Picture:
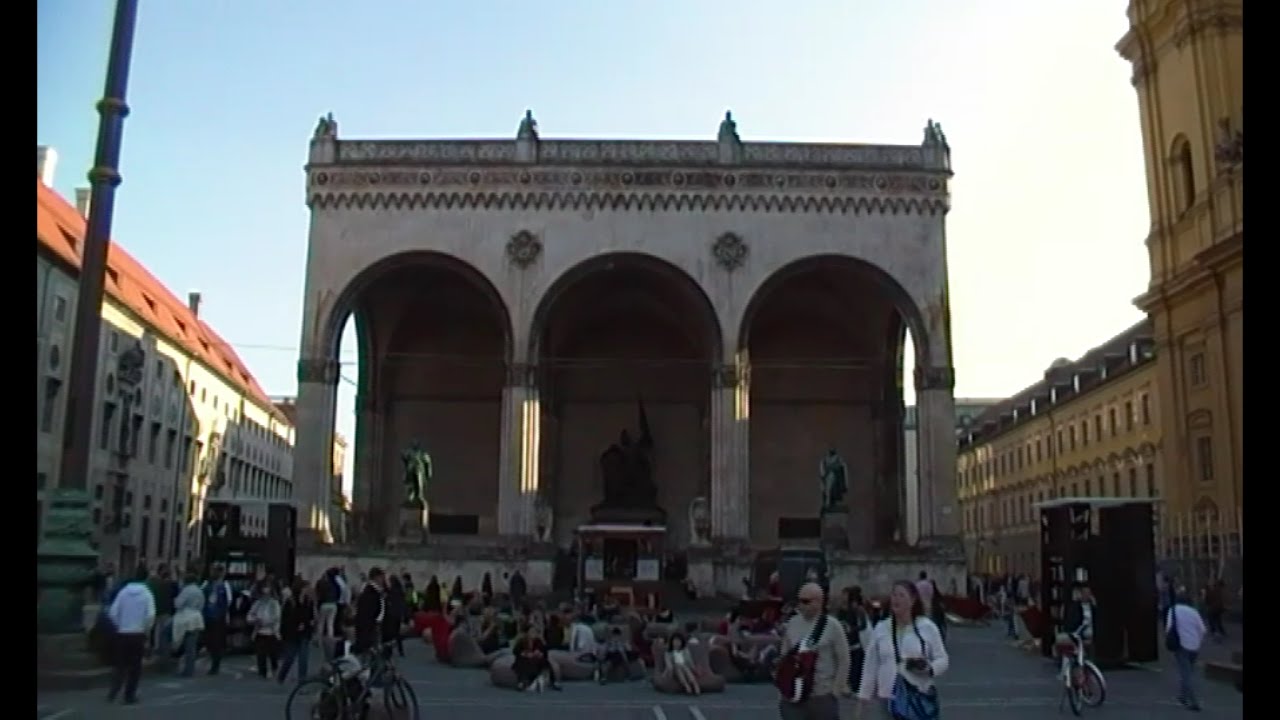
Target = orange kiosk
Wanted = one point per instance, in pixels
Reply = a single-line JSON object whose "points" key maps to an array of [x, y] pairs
{"points": [[624, 562]]}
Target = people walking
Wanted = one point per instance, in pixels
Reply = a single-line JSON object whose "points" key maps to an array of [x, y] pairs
{"points": [[904, 657], [812, 630], [264, 618], [1184, 633], [217, 612], [132, 614], [297, 630], [188, 622]]}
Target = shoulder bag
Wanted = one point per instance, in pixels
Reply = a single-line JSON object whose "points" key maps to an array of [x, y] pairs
{"points": [[910, 702], [794, 676]]}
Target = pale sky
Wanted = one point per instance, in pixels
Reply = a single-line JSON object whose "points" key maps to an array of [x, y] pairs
{"points": [[1049, 208]]}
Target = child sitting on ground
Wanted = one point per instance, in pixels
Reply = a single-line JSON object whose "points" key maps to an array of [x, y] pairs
{"points": [[681, 663]]}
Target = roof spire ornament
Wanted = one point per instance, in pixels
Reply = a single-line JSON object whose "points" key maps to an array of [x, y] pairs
{"points": [[528, 127], [326, 128], [728, 129]]}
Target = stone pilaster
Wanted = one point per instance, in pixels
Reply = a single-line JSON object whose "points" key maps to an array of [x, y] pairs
{"points": [[367, 479], [313, 444], [730, 511], [518, 474], [935, 418]]}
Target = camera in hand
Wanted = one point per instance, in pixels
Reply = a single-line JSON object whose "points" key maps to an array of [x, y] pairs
{"points": [[917, 664]]}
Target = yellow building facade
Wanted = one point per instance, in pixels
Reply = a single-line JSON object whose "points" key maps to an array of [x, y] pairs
{"points": [[1089, 428], [178, 418], [1188, 71]]}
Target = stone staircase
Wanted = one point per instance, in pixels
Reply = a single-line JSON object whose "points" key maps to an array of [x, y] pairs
{"points": [[1231, 672]]}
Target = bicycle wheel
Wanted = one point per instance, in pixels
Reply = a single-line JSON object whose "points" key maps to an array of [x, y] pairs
{"points": [[400, 701], [1073, 699], [314, 699], [1093, 689]]}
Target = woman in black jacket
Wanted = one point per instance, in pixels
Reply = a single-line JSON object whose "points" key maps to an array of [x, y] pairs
{"points": [[397, 613], [297, 628]]}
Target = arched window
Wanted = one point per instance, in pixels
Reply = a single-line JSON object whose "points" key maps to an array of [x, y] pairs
{"points": [[1184, 174]]}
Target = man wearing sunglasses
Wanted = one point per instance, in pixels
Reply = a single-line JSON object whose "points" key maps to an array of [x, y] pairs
{"points": [[831, 671]]}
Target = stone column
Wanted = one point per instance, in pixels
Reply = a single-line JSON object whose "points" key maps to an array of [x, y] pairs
{"points": [[366, 466], [518, 474], [935, 420], [730, 511], [313, 444]]}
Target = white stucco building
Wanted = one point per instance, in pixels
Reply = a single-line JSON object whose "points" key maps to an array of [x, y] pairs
{"points": [[178, 418]]}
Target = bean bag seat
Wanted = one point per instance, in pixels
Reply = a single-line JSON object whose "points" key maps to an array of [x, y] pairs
{"points": [[568, 667], [665, 682], [502, 670], [464, 651], [721, 663]]}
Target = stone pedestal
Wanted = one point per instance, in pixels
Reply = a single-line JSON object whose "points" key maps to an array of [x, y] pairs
{"points": [[835, 529], [412, 526], [65, 561], [628, 516]]}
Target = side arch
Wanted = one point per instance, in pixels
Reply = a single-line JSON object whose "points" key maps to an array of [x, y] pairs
{"points": [[899, 298], [674, 277], [333, 318]]}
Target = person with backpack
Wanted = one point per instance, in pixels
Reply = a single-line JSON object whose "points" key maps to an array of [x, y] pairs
{"points": [[217, 612], [853, 616]]}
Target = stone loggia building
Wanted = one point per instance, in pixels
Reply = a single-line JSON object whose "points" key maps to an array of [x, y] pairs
{"points": [[515, 300]]}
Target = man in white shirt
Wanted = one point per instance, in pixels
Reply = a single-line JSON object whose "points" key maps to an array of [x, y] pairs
{"points": [[132, 614], [1185, 622]]}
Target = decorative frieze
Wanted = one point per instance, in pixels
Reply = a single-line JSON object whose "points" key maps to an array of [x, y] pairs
{"points": [[632, 152], [730, 251], [318, 370], [646, 202], [935, 378]]}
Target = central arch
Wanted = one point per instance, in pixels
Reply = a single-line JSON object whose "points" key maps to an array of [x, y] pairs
{"points": [[614, 332], [433, 341], [824, 338]]}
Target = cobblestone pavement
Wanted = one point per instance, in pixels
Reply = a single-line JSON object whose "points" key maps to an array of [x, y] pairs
{"points": [[988, 680]]}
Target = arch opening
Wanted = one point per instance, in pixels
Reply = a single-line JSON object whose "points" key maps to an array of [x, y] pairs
{"points": [[830, 342], [432, 339], [617, 335]]}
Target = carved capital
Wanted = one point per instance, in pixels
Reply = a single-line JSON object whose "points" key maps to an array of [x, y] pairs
{"points": [[522, 375], [318, 370], [727, 376], [935, 378]]}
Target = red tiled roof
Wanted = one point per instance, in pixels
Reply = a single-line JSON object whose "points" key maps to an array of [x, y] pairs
{"points": [[60, 229]]}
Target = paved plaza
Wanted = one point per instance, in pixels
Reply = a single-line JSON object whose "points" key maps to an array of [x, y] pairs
{"points": [[988, 679]]}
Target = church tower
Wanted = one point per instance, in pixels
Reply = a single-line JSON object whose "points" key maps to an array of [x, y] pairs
{"points": [[1187, 58]]}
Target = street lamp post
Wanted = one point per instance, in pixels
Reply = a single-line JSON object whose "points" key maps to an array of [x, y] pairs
{"points": [[65, 558]]}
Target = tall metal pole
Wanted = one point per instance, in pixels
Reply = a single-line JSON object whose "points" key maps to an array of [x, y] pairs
{"points": [[65, 558]]}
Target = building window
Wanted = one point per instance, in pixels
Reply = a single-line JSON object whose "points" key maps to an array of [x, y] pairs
{"points": [[170, 447], [1075, 490], [1097, 426], [1115, 482], [1039, 454], [108, 423], [1204, 458], [177, 537], [1084, 433], [1071, 437], [1128, 416], [1185, 175], [1060, 445], [50, 410], [1133, 482], [1146, 409], [153, 444], [1088, 487], [1111, 420], [1196, 374], [1151, 480], [160, 538], [144, 536]]}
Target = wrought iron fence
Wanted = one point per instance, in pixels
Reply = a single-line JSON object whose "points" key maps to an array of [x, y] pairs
{"points": [[1201, 546]]}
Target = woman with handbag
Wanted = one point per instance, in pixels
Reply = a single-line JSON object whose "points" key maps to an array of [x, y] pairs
{"points": [[903, 657]]}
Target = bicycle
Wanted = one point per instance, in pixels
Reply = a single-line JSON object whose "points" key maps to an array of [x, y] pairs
{"points": [[341, 698], [1082, 681]]}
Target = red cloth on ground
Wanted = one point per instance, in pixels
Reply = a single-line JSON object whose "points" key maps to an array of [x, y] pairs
{"points": [[439, 627]]}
